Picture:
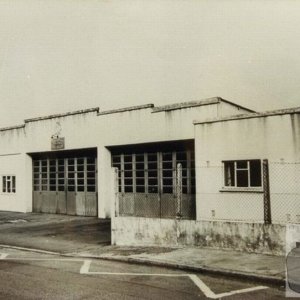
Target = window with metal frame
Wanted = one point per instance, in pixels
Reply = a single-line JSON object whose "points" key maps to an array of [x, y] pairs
{"points": [[91, 173], [154, 172], [73, 174], [242, 173], [9, 184]]}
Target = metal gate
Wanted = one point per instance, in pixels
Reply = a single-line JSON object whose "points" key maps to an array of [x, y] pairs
{"points": [[65, 186], [148, 184]]}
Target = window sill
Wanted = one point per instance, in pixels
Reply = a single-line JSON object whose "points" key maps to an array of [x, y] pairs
{"points": [[8, 194], [241, 190]]}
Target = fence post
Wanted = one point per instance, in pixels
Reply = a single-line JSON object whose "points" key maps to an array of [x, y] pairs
{"points": [[179, 191], [116, 189], [267, 201]]}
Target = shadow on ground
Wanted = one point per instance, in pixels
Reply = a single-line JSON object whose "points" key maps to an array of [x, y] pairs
{"points": [[59, 233]]}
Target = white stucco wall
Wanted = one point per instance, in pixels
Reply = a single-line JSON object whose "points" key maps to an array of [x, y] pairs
{"points": [[90, 130], [276, 138], [143, 126], [12, 162], [12, 141], [13, 165]]}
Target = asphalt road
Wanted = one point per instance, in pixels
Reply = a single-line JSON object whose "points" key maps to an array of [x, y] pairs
{"points": [[28, 275]]}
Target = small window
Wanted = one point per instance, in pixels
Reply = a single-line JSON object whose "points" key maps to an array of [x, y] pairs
{"points": [[8, 184], [242, 173]]}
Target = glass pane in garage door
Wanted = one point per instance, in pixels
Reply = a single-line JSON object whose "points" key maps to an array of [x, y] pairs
{"points": [[52, 174], [60, 175], [80, 171], [36, 175], [71, 174], [91, 174], [44, 175]]}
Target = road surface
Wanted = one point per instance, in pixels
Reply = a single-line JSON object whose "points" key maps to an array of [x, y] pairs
{"points": [[30, 275]]}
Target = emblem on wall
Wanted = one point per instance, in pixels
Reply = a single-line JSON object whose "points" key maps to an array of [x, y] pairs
{"points": [[57, 142]]}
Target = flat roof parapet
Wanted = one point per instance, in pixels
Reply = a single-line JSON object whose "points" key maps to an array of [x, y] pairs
{"points": [[182, 105], [277, 112], [12, 127], [120, 110], [208, 101], [77, 112]]}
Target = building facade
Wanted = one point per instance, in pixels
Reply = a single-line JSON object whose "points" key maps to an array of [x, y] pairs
{"points": [[206, 173], [230, 155], [247, 179], [60, 163]]}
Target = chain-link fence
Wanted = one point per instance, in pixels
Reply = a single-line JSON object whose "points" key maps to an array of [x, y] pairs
{"points": [[285, 192], [227, 195], [242, 191], [249, 191]]}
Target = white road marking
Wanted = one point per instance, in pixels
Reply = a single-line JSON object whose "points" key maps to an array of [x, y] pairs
{"points": [[44, 259], [196, 280], [29, 249], [85, 267], [210, 294], [242, 291], [202, 286], [87, 263], [137, 274], [3, 255]]}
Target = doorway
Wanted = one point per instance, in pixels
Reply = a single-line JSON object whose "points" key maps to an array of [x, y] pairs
{"points": [[65, 183]]}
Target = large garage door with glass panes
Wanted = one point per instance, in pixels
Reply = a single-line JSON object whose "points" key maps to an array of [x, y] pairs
{"points": [[147, 180], [65, 185]]}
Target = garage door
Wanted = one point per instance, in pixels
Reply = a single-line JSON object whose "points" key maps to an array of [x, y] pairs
{"points": [[65, 185], [147, 179]]}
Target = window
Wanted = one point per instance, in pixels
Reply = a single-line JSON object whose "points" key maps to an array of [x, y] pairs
{"points": [[154, 172], [65, 174], [8, 184], [242, 173]]}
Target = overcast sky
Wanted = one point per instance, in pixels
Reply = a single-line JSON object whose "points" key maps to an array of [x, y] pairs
{"points": [[57, 56]]}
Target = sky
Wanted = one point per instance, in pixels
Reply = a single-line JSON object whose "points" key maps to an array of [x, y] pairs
{"points": [[59, 56]]}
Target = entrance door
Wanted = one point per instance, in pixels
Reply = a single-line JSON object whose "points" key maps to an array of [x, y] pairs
{"points": [[147, 182], [65, 186]]}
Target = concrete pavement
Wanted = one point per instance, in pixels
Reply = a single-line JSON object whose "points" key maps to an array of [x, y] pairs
{"points": [[90, 237]]}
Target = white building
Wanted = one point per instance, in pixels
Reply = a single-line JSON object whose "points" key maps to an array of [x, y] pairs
{"points": [[72, 176], [64, 164], [230, 152]]}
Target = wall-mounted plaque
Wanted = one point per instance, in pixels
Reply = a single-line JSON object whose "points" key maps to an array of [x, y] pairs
{"points": [[58, 143]]}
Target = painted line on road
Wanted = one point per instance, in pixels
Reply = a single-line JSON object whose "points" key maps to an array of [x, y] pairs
{"points": [[3, 255], [242, 291], [42, 259], [202, 286], [29, 249], [210, 294], [136, 274], [85, 267], [85, 270]]}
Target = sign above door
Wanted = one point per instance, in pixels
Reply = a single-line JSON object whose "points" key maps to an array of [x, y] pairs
{"points": [[57, 143]]}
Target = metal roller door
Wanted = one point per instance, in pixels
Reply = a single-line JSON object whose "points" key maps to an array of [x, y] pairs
{"points": [[65, 185]]}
